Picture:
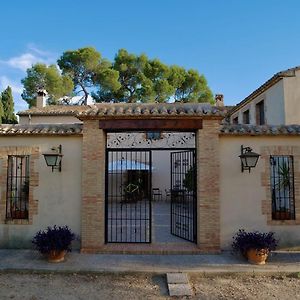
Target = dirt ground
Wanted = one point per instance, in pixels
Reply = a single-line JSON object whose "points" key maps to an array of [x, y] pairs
{"points": [[142, 286]]}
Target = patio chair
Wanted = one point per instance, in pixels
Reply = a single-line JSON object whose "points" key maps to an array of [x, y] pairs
{"points": [[156, 194]]}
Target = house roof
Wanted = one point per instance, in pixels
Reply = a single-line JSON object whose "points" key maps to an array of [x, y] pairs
{"points": [[102, 110], [76, 129], [41, 129], [152, 110], [239, 129], [276, 77], [53, 110]]}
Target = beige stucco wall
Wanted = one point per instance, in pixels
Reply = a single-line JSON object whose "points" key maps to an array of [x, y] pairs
{"points": [[292, 99], [274, 106], [58, 193], [23, 120], [161, 178], [241, 194]]}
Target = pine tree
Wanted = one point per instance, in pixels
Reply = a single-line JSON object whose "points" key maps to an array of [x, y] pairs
{"points": [[8, 107], [1, 110]]}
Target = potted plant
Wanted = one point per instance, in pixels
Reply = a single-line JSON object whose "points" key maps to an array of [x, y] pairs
{"points": [[189, 180], [255, 245], [54, 242]]}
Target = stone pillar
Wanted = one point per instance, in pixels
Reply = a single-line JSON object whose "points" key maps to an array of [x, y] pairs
{"points": [[93, 187], [208, 186]]}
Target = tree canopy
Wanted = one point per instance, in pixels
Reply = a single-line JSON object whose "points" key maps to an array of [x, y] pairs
{"points": [[1, 110], [128, 78], [40, 76], [86, 68], [7, 100]]}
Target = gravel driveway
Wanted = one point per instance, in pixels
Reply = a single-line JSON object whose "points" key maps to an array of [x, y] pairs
{"points": [[142, 286]]}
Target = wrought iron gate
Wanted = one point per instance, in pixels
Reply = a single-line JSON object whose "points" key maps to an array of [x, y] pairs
{"points": [[183, 195], [128, 196]]}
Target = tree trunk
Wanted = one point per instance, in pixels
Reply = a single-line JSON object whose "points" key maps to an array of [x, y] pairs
{"points": [[86, 94]]}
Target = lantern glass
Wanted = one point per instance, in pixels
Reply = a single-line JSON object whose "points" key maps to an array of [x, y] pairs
{"points": [[51, 159], [252, 160], [248, 158]]}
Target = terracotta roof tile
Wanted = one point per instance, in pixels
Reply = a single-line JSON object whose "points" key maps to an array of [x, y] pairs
{"points": [[151, 110], [230, 129], [50, 110], [128, 110], [41, 129]]}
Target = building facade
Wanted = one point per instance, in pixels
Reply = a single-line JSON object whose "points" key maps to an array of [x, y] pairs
{"points": [[276, 102], [111, 165]]}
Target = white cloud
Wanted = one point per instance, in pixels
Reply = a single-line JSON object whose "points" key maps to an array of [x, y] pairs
{"points": [[15, 67], [5, 82], [35, 49], [23, 62], [32, 56]]}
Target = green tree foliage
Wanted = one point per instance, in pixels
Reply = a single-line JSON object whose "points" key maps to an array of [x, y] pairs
{"points": [[8, 107], [40, 76], [1, 110], [193, 88], [144, 80], [160, 86], [86, 68], [129, 78]]}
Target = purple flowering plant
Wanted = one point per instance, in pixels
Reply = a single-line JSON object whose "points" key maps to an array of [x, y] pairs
{"points": [[243, 241], [57, 238]]}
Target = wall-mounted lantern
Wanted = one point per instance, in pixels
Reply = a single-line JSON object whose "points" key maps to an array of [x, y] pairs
{"points": [[53, 159], [248, 158]]}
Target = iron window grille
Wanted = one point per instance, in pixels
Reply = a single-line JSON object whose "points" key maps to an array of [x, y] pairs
{"points": [[17, 195], [282, 187]]}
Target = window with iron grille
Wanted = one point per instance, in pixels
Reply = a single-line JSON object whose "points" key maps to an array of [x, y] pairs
{"points": [[282, 187], [17, 194]]}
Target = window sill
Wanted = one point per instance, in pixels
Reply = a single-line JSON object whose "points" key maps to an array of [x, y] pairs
{"points": [[283, 222], [17, 221]]}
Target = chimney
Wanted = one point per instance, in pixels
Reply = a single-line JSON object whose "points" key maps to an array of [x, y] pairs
{"points": [[219, 98], [41, 98]]}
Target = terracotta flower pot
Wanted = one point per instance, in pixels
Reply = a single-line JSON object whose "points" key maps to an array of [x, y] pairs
{"points": [[257, 257], [55, 256]]}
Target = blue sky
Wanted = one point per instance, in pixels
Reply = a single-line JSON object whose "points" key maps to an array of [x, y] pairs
{"points": [[236, 44]]}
